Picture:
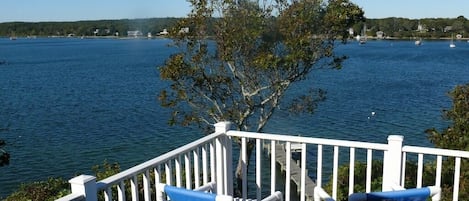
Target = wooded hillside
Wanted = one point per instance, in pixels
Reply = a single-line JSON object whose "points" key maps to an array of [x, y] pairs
{"points": [[391, 27], [86, 28]]}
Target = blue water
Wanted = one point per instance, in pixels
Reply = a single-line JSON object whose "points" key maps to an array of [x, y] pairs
{"points": [[69, 104]]}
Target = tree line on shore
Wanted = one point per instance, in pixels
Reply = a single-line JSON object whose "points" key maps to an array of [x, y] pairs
{"points": [[434, 28], [394, 27], [86, 28]]}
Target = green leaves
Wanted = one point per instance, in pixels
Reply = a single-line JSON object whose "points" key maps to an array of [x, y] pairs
{"points": [[49, 190], [342, 14], [455, 136], [241, 57]]}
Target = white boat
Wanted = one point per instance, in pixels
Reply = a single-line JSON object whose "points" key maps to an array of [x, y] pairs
{"points": [[418, 42], [362, 38], [452, 45]]}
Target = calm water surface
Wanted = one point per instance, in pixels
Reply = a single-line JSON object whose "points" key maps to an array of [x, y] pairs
{"points": [[69, 104]]}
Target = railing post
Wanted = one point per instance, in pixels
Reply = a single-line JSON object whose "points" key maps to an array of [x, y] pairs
{"points": [[84, 185], [222, 127], [392, 162], [222, 148]]}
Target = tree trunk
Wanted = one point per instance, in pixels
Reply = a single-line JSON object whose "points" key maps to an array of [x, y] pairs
{"points": [[239, 168]]}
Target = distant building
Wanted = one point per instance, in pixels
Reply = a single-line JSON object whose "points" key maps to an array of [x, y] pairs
{"points": [[380, 34], [164, 32], [134, 34], [351, 32], [448, 28], [421, 28]]}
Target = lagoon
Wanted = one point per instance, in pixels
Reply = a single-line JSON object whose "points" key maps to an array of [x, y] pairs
{"points": [[69, 104]]}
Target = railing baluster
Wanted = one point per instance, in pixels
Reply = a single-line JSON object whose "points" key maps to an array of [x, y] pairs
{"points": [[204, 165], [121, 191], [273, 165], [244, 167], [220, 166], [258, 169], [168, 171], [319, 167], [351, 177], [288, 171], [303, 172], [108, 194], [134, 188], [369, 164], [157, 172], [457, 171], [187, 165], [335, 173], [146, 186], [229, 166], [439, 161], [419, 171], [178, 170], [224, 143], [212, 162], [404, 158], [196, 168]]}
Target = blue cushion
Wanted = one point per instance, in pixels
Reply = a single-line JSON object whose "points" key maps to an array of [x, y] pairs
{"points": [[182, 194], [416, 194]]}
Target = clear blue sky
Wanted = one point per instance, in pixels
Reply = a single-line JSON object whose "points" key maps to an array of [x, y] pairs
{"points": [[73, 10], [414, 9]]}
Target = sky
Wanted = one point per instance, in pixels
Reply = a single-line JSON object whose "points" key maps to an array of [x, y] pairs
{"points": [[75, 10]]}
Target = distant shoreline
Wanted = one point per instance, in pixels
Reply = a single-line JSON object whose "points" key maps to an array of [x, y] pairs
{"points": [[395, 27], [85, 37], [163, 37]]}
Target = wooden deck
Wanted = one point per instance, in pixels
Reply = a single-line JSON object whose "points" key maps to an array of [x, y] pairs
{"points": [[295, 170]]}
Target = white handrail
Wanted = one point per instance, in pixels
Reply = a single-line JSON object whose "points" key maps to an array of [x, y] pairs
{"points": [[126, 174], [309, 140], [436, 151]]}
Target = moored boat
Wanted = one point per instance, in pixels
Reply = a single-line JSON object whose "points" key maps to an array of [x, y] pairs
{"points": [[452, 45]]}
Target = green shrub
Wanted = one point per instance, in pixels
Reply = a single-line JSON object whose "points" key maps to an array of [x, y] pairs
{"points": [[54, 188], [48, 190]]}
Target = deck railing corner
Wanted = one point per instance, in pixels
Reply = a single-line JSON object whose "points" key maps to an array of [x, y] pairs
{"points": [[392, 162], [83, 189]]}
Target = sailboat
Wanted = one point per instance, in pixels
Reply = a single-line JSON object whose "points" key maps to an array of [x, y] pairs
{"points": [[452, 45], [419, 30], [362, 38], [13, 36]]}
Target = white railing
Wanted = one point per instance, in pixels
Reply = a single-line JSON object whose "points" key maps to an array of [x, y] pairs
{"points": [[210, 159], [439, 154]]}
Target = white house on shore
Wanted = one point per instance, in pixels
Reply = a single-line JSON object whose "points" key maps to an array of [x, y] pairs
{"points": [[164, 32], [134, 34]]}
